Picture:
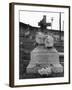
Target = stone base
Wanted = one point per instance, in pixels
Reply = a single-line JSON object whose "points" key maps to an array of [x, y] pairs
{"points": [[42, 57]]}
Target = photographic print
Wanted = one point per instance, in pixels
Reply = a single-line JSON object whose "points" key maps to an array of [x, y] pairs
{"points": [[39, 44]]}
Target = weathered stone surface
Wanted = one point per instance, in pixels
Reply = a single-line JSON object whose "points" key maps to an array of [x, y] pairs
{"points": [[42, 57], [57, 68]]}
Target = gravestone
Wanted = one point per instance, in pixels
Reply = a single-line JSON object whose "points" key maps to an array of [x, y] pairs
{"points": [[42, 57], [44, 54]]}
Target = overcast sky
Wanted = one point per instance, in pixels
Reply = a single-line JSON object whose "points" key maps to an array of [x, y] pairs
{"points": [[33, 18]]}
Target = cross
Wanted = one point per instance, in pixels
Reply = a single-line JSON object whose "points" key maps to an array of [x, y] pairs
{"points": [[43, 25]]}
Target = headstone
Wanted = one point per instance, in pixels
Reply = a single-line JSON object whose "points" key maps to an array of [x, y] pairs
{"points": [[44, 55]]}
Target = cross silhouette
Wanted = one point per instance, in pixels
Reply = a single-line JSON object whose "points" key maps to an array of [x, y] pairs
{"points": [[43, 24]]}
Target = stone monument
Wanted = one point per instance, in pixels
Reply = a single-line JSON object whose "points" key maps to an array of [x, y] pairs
{"points": [[44, 55]]}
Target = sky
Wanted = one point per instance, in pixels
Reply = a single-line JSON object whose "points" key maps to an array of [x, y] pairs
{"points": [[32, 18]]}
